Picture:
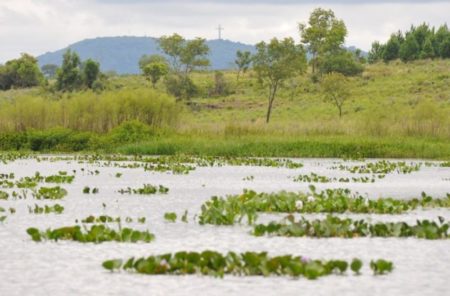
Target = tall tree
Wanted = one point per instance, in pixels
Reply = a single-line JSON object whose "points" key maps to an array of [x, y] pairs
{"points": [[410, 49], [69, 76], [91, 72], [323, 34], [392, 48], [276, 61], [242, 61], [336, 90], [185, 55]]}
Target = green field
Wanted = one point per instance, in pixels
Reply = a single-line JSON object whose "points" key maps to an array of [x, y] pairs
{"points": [[394, 110]]}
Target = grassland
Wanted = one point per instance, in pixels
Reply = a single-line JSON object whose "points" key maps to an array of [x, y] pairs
{"points": [[395, 110]]}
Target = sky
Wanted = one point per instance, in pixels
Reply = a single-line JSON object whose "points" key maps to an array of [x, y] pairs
{"points": [[39, 26]]}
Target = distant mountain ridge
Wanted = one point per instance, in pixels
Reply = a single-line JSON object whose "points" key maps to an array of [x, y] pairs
{"points": [[121, 54]]}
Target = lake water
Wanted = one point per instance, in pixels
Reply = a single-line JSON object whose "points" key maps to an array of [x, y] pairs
{"points": [[422, 267]]}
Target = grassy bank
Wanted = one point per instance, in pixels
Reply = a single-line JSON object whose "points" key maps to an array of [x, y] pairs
{"points": [[395, 110], [314, 146]]}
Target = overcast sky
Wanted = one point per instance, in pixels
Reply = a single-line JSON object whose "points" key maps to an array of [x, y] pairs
{"points": [[38, 26]]}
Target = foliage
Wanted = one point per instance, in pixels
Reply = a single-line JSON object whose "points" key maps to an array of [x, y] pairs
{"points": [[145, 190], [216, 264], [74, 75], [381, 266], [275, 62], [23, 72], [171, 217], [49, 70], [422, 42], [94, 234], [185, 55], [155, 71], [342, 61], [234, 208], [51, 193], [324, 34], [336, 90], [347, 228], [180, 86], [243, 62], [91, 72], [57, 209], [69, 76]]}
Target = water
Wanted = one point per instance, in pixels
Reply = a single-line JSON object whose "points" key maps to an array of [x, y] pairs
{"points": [[422, 267]]}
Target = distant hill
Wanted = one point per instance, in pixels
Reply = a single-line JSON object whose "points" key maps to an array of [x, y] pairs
{"points": [[121, 54]]}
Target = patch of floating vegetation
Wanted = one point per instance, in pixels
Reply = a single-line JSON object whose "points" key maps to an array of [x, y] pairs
{"points": [[3, 211], [170, 217], [176, 164], [348, 228], [381, 167], [7, 176], [145, 190], [51, 193], [88, 190], [234, 208], [56, 209], [445, 164], [94, 234], [315, 178], [62, 177], [249, 178], [108, 219], [4, 195], [211, 263]]}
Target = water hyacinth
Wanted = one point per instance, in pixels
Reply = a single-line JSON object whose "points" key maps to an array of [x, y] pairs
{"points": [[94, 234], [333, 226], [235, 208], [211, 263]]}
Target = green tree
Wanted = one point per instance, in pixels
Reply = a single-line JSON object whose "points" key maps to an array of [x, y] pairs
{"points": [[323, 34], [154, 71], [69, 76], [20, 73], [49, 70], [185, 55], [409, 50], [444, 48], [148, 59], [242, 61], [428, 50], [275, 62], [392, 48], [376, 52], [335, 89], [91, 72]]}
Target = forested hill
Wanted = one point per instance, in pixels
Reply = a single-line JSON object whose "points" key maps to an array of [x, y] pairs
{"points": [[121, 54]]}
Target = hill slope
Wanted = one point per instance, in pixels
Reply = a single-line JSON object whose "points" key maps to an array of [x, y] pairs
{"points": [[121, 54]]}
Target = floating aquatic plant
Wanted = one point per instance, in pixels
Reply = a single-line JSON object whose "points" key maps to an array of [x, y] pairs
{"points": [[94, 234], [333, 226], [211, 263]]}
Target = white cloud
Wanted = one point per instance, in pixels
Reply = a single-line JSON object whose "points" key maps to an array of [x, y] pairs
{"points": [[37, 26]]}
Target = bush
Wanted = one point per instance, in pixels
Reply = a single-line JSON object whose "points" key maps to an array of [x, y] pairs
{"points": [[182, 87], [344, 62], [130, 131]]}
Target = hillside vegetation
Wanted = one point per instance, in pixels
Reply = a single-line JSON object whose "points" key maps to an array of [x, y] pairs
{"points": [[394, 110]]}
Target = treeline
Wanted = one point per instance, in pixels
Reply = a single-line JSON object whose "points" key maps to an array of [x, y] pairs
{"points": [[73, 75], [422, 42]]}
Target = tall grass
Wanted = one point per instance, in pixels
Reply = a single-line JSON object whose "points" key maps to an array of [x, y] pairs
{"points": [[88, 111]]}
